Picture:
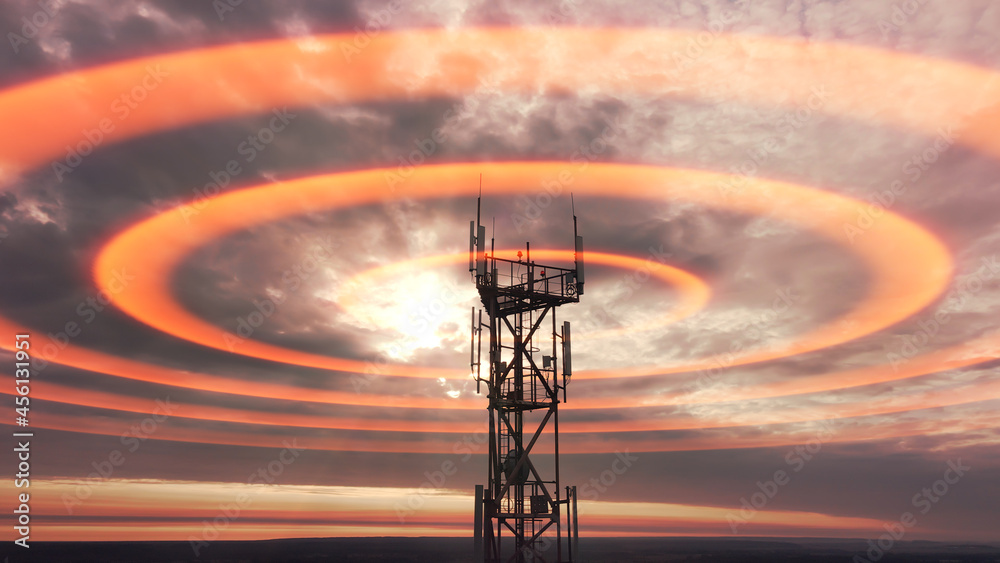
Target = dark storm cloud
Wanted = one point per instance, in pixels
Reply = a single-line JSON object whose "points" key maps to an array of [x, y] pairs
{"points": [[76, 34]]}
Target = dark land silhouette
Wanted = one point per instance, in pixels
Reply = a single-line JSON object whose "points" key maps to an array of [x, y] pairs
{"points": [[447, 550]]}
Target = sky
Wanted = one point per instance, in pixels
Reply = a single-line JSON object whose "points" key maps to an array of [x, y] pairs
{"points": [[236, 234]]}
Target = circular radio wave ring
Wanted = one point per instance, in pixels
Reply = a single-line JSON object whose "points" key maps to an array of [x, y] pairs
{"points": [[960, 88], [910, 266], [692, 292]]}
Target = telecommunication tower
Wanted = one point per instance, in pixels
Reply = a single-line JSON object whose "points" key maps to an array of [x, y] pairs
{"points": [[519, 502]]}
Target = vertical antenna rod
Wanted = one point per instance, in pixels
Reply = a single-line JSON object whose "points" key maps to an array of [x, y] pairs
{"points": [[578, 255], [479, 202]]}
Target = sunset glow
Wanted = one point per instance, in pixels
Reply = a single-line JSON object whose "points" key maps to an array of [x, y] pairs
{"points": [[251, 263]]}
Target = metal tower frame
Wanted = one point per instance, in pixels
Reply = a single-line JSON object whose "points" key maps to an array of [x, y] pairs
{"points": [[518, 297]]}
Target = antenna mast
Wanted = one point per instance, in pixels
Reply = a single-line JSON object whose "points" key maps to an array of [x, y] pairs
{"points": [[524, 395]]}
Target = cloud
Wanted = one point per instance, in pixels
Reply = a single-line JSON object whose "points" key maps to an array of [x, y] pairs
{"points": [[51, 231]]}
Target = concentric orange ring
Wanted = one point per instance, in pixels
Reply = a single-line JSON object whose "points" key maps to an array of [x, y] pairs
{"points": [[963, 395], [857, 82], [910, 266], [692, 292], [447, 446], [959, 88]]}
